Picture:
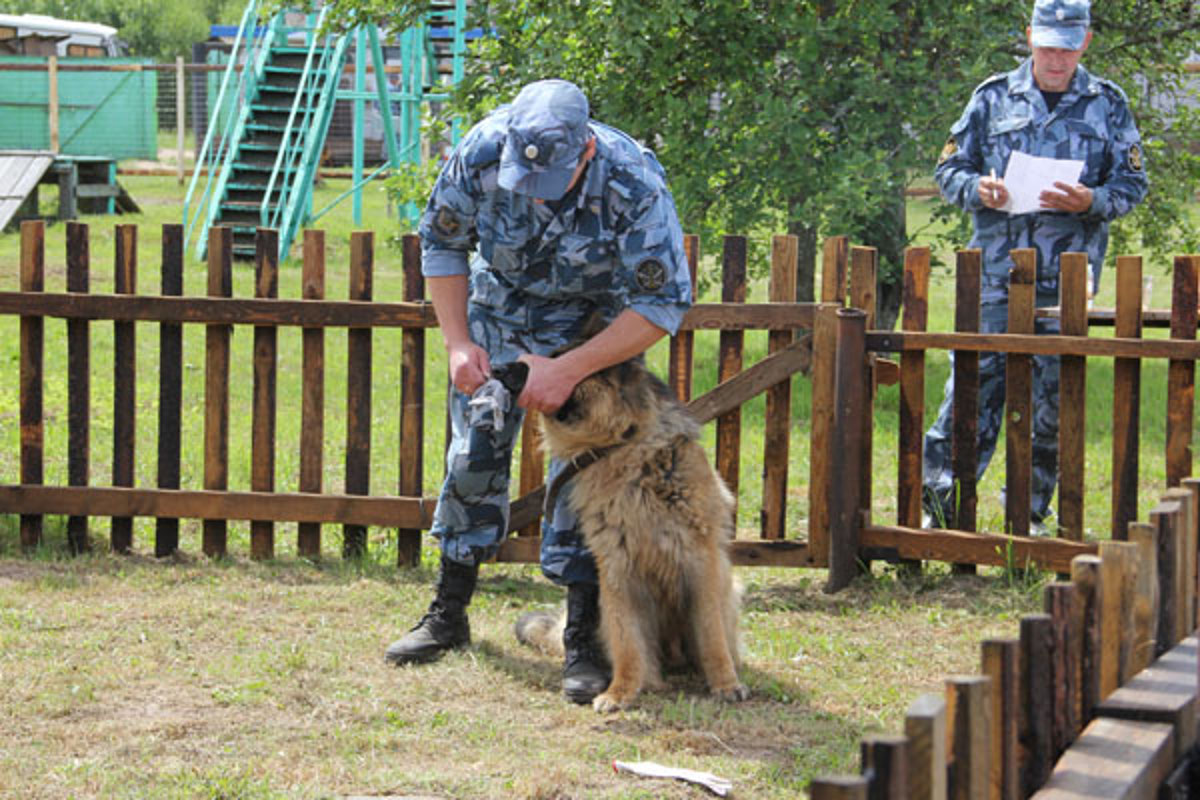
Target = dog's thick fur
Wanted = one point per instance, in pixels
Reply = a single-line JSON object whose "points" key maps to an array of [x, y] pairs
{"points": [[658, 520]]}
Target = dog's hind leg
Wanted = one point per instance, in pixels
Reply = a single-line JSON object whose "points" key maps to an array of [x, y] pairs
{"points": [[711, 593], [624, 629]]}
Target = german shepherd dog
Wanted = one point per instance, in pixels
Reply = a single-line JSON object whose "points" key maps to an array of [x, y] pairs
{"points": [[658, 520]]}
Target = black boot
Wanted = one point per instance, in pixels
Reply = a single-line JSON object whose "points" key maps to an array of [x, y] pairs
{"points": [[444, 626], [585, 668]]}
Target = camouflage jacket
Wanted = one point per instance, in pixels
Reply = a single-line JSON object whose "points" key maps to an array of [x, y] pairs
{"points": [[615, 244], [1091, 122]]}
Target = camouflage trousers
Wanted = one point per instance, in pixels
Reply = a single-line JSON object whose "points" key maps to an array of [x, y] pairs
{"points": [[471, 518], [938, 471]]}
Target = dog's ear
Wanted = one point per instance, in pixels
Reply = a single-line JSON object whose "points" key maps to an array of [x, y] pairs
{"points": [[513, 375]]}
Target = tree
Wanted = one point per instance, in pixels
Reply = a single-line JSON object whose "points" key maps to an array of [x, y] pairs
{"points": [[818, 114]]}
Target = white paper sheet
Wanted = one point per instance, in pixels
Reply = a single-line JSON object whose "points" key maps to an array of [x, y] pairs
{"points": [[1028, 176], [716, 785]]}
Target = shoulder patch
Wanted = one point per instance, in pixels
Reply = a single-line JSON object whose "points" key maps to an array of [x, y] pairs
{"points": [[445, 222], [650, 275], [948, 150], [1135, 157]]}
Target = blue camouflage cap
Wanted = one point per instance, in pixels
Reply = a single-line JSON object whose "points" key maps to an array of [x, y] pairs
{"points": [[1060, 23], [547, 133]]}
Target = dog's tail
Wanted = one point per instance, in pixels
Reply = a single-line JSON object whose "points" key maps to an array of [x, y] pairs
{"points": [[543, 631]]}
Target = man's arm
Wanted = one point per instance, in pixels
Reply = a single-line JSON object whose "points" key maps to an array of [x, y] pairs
{"points": [[551, 380], [467, 362]]}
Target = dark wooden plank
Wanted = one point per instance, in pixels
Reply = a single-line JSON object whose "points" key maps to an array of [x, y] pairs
{"points": [[1181, 373], [1085, 574], [1061, 603], [925, 728], [777, 421], [1163, 692], [1192, 542], [412, 405], [749, 317], [1018, 442], [124, 382], [968, 713], [1072, 406], [834, 261], [32, 373], [964, 448], [262, 422], [1145, 609], [912, 390], [847, 462], [170, 388], [358, 390], [224, 505], [1185, 593], [1000, 664], [1169, 630], [752, 381], [79, 382], [1126, 401], [1112, 760], [884, 760], [864, 266], [821, 442], [990, 549], [312, 406], [216, 387], [1036, 732], [839, 787], [1109, 597], [682, 347], [1036, 344], [729, 424]]}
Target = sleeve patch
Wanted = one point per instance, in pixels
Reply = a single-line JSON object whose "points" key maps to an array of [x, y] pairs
{"points": [[651, 275], [1135, 157], [950, 149], [445, 222]]}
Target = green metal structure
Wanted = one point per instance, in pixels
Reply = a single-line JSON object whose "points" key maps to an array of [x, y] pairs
{"points": [[269, 123]]}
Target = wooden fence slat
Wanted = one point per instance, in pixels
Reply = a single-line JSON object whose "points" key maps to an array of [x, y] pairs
{"points": [[1040, 344], [262, 436], [999, 663], [864, 267], [1126, 399], [79, 392], [729, 424], [679, 370], [1119, 567], [1061, 603], [834, 261], [1165, 517], [312, 411], [1018, 423], [820, 452], [1111, 615], [884, 761], [912, 389], [1037, 701], [989, 549], [1187, 493], [1072, 405], [1181, 374], [1145, 611], [839, 787], [848, 457], [968, 712], [964, 439], [216, 387], [925, 728], [33, 277], [777, 420], [1193, 548], [412, 406], [1085, 574], [170, 388], [358, 392], [124, 382]]}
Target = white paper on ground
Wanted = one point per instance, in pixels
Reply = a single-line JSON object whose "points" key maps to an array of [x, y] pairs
{"points": [[1026, 177], [718, 786]]}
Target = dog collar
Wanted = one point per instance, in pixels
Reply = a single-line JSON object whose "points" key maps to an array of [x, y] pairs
{"points": [[577, 465]]}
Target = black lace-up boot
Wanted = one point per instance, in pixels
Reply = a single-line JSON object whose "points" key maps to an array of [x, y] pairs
{"points": [[444, 627], [585, 668]]}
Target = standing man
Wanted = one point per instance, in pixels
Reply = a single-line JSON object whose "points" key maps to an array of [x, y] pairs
{"points": [[539, 219], [1049, 106]]}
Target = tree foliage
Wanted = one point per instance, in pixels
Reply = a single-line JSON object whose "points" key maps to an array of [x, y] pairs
{"points": [[817, 114]]}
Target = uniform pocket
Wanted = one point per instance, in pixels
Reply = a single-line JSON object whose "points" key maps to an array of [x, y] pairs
{"points": [[585, 263]]}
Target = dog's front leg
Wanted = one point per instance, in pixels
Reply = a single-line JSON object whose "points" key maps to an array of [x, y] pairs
{"points": [[711, 593], [624, 634]]}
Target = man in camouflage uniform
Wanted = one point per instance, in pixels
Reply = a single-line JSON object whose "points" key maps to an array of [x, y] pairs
{"points": [[540, 218], [1049, 106]]}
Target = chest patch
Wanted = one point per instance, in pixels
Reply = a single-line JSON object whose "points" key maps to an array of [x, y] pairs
{"points": [[650, 275]]}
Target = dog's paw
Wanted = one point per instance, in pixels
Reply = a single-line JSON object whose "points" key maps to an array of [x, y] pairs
{"points": [[732, 694], [607, 702]]}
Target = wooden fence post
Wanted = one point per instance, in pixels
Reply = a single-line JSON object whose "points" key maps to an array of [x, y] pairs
{"points": [[262, 438], [124, 382], [969, 711], [840, 787], [1000, 664], [216, 386], [1072, 406], [849, 403], [1019, 396], [1061, 603], [729, 424], [180, 116], [1085, 574], [864, 266], [1181, 373], [1186, 494], [1119, 568], [821, 445], [885, 764], [912, 389], [79, 393], [682, 343], [1037, 700], [170, 388], [33, 279], [964, 442], [358, 390], [312, 410], [925, 728], [412, 406], [777, 422], [1145, 611], [834, 261], [1165, 517], [1126, 403]]}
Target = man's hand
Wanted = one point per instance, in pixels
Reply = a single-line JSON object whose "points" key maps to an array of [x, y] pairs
{"points": [[992, 192], [548, 386], [469, 366], [1074, 198]]}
